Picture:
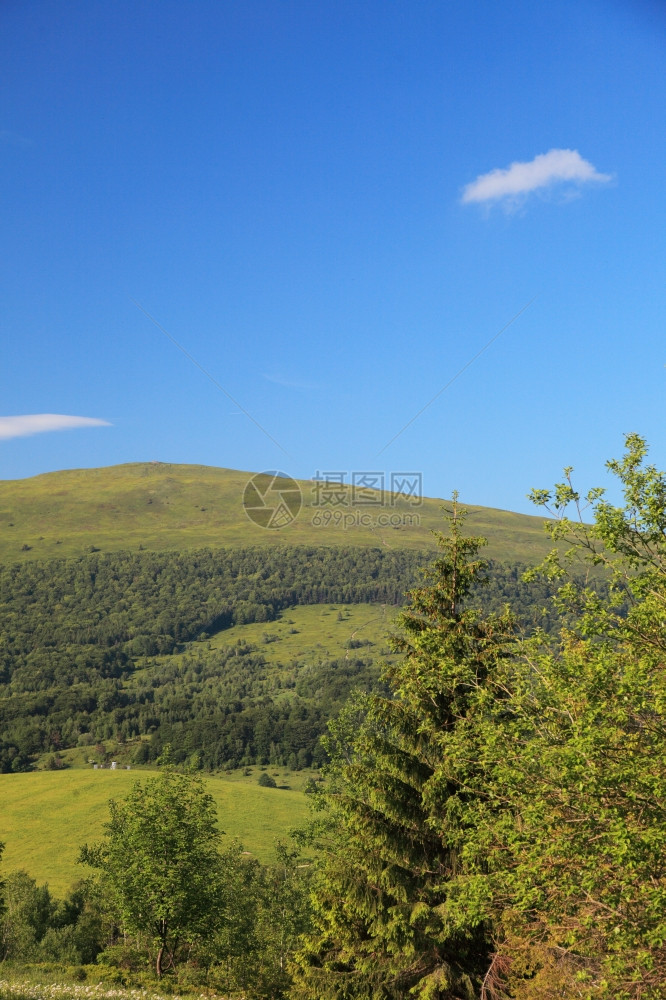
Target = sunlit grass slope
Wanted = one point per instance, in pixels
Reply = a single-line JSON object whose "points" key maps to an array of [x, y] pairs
{"points": [[47, 815], [162, 506], [308, 632]]}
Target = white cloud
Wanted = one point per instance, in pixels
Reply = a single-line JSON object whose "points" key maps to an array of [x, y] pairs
{"points": [[37, 423], [556, 166]]}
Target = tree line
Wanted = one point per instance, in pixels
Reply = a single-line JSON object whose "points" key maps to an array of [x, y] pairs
{"points": [[74, 631]]}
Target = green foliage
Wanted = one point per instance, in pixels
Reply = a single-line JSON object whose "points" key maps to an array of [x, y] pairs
{"points": [[26, 916], [497, 827], [266, 781], [261, 912], [36, 927], [266, 909], [171, 887], [160, 862], [390, 840], [107, 647], [563, 769]]}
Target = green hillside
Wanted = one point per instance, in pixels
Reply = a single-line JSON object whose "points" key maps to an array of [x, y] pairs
{"points": [[47, 816], [179, 507], [119, 589], [116, 646]]}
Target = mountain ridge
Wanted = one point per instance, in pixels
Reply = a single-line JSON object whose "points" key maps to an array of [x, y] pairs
{"points": [[173, 506]]}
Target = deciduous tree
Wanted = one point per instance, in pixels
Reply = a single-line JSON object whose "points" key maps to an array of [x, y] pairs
{"points": [[563, 767], [160, 862]]}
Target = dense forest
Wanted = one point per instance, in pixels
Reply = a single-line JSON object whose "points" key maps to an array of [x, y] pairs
{"points": [[77, 635]]}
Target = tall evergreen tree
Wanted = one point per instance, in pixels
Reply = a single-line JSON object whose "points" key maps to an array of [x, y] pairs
{"points": [[390, 847]]}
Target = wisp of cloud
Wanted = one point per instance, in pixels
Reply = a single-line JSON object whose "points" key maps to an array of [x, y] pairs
{"points": [[38, 423], [545, 170]]}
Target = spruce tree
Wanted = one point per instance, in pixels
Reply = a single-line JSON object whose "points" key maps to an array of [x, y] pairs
{"points": [[389, 847]]}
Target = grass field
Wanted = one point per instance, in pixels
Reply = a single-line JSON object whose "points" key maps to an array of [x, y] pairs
{"points": [[310, 630], [309, 633], [178, 507], [301, 637], [47, 815]]}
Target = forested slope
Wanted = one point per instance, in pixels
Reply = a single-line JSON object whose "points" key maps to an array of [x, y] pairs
{"points": [[88, 648]]}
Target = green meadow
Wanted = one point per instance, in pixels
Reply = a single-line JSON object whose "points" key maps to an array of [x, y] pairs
{"points": [[159, 506], [309, 633], [311, 629], [47, 815]]}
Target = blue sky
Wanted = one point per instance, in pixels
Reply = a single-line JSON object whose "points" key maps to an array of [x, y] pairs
{"points": [[333, 207]]}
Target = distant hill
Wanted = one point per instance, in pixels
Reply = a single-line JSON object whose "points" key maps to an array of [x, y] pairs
{"points": [[159, 506], [120, 587]]}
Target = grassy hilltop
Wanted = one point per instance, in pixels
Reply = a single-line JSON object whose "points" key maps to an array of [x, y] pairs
{"points": [[179, 507]]}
